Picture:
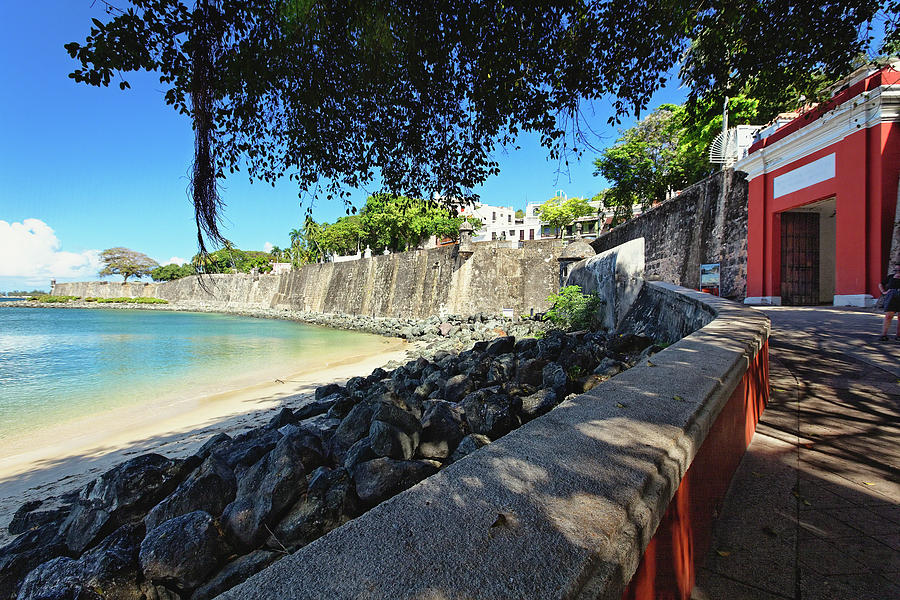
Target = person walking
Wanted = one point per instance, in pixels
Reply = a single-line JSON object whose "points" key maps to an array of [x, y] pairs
{"points": [[890, 288]]}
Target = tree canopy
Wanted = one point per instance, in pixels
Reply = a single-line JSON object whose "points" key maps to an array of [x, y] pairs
{"points": [[386, 222], [171, 272], [667, 151], [232, 260], [126, 262], [337, 95], [561, 212]]}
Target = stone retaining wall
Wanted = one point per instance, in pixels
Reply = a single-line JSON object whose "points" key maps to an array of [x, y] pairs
{"points": [[415, 284], [706, 223], [565, 506]]}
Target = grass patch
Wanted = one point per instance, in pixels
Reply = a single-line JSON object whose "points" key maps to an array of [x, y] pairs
{"points": [[124, 300], [51, 299]]}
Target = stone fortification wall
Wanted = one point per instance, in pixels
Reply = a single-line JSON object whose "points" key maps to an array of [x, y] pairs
{"points": [[700, 225], [428, 282], [225, 292], [415, 284]]}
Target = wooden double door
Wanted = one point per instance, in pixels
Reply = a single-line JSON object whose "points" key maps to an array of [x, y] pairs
{"points": [[799, 258]]}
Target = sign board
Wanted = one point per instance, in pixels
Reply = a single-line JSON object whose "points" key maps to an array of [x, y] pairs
{"points": [[508, 313], [709, 275]]}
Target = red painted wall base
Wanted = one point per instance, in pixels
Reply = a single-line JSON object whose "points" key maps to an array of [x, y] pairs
{"points": [[670, 562]]}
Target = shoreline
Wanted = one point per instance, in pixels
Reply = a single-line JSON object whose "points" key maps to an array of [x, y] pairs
{"points": [[65, 457]]}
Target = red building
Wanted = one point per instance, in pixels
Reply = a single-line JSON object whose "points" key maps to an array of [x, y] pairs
{"points": [[823, 193]]}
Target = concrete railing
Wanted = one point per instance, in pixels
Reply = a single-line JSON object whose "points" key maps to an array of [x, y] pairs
{"points": [[567, 505]]}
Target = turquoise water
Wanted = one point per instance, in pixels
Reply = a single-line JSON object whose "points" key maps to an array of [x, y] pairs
{"points": [[59, 364]]}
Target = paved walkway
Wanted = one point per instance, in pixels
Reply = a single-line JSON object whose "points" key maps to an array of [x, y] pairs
{"points": [[814, 509]]}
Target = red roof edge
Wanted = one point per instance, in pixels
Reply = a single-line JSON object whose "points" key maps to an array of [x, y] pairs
{"points": [[885, 76]]}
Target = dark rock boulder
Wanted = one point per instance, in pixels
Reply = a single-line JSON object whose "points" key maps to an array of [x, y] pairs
{"points": [[531, 371], [321, 426], [270, 486], [394, 432], [379, 479], [26, 552], [38, 513], [340, 406], [443, 426], [120, 494], [553, 377], [216, 442], [236, 572], [329, 502], [329, 389], [525, 346], [247, 448], [108, 571], [502, 369], [283, 417], [183, 551], [468, 445], [628, 343], [609, 367], [457, 387], [353, 428], [492, 414], [539, 403], [210, 488], [501, 345], [359, 452]]}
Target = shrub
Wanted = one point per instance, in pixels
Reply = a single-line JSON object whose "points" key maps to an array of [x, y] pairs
{"points": [[571, 309], [126, 300], [51, 299]]}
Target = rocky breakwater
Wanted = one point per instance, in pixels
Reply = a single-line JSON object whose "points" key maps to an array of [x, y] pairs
{"points": [[155, 528]]}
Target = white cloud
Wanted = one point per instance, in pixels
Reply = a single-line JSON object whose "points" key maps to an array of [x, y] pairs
{"points": [[31, 250], [175, 260], [268, 246]]}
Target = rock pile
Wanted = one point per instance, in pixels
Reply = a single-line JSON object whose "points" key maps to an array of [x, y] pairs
{"points": [[155, 528]]}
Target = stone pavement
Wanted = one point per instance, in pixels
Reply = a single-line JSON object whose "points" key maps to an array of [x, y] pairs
{"points": [[813, 511]]}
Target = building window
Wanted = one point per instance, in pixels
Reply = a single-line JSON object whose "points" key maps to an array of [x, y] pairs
{"points": [[493, 235], [521, 234], [508, 219], [530, 234], [493, 216]]}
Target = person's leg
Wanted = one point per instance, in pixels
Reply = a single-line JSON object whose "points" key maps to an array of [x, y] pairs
{"points": [[887, 323]]}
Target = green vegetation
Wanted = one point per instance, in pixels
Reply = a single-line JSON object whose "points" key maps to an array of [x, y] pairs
{"points": [[560, 212], [418, 97], [126, 262], [126, 300], [386, 222], [54, 299], [232, 260], [171, 272], [573, 310]]}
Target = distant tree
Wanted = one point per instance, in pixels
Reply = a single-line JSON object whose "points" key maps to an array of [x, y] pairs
{"points": [[171, 272], [520, 214], [126, 262], [232, 260], [560, 213]]}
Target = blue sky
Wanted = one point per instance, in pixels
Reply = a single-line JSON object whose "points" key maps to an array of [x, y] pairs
{"points": [[83, 169]]}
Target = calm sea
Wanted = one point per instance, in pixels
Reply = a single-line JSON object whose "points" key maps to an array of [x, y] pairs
{"points": [[60, 364]]}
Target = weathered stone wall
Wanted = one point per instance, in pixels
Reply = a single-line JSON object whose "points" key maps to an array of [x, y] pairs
{"points": [[427, 282], [700, 225], [409, 285]]}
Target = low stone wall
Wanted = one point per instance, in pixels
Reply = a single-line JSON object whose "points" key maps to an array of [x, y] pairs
{"points": [[706, 223], [565, 506]]}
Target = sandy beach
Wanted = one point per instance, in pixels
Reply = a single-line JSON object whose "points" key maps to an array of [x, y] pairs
{"points": [[66, 457]]}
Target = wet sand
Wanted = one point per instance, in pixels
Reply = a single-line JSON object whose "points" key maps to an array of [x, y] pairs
{"points": [[67, 456]]}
